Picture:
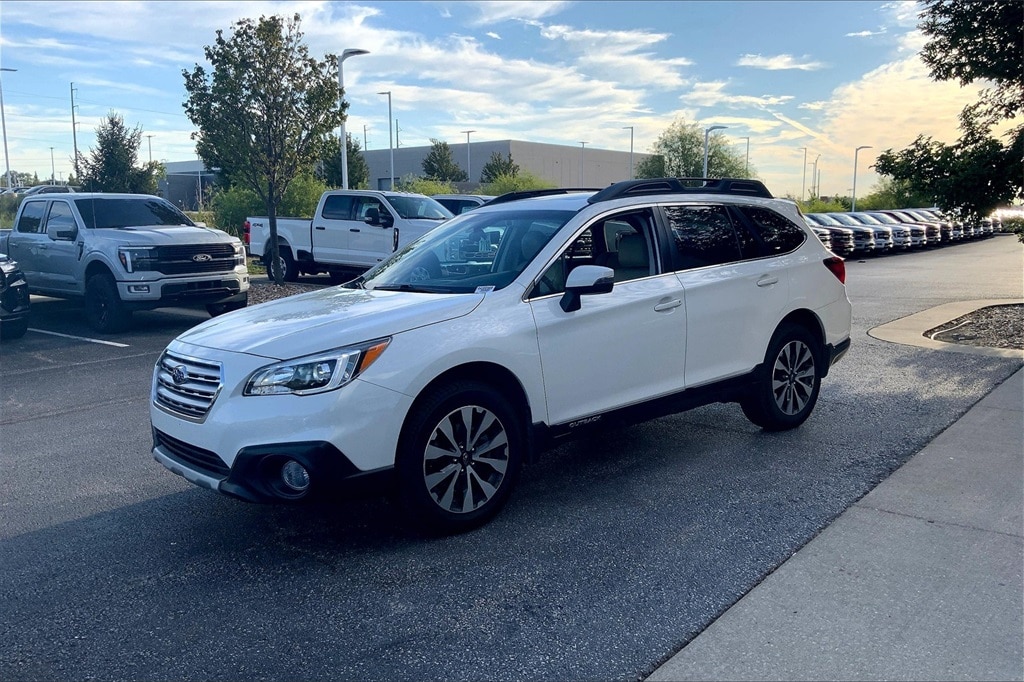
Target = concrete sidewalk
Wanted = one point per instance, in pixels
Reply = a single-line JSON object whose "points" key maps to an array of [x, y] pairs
{"points": [[919, 580]]}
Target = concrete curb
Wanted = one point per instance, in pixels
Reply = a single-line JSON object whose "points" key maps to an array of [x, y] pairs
{"points": [[909, 330]]}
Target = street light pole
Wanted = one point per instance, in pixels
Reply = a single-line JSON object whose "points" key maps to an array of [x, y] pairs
{"points": [[746, 164], [53, 168], [149, 139], [853, 199], [341, 107], [469, 173], [707, 131], [582, 145], [391, 139], [814, 174], [3, 121], [630, 129], [803, 182]]}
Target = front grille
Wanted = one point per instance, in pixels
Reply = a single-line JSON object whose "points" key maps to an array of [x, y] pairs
{"points": [[186, 386], [181, 260], [198, 458]]}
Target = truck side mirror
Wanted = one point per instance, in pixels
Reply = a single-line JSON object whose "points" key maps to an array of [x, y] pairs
{"points": [[62, 233]]}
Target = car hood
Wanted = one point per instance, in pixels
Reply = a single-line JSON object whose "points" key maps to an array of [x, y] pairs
{"points": [[329, 318], [159, 235]]}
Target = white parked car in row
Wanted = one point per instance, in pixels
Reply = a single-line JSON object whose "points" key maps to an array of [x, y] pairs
{"points": [[445, 368]]}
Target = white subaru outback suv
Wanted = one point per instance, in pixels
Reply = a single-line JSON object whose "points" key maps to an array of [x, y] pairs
{"points": [[441, 371]]}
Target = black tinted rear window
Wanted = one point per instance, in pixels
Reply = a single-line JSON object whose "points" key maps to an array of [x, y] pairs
{"points": [[107, 212]]}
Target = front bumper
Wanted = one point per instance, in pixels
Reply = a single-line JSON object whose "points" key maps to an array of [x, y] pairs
{"points": [[223, 287]]}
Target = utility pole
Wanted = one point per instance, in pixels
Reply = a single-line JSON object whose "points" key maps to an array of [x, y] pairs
{"points": [[74, 132]]}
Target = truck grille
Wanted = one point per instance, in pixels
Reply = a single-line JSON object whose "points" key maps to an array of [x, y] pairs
{"points": [[186, 386], [193, 259], [203, 460]]}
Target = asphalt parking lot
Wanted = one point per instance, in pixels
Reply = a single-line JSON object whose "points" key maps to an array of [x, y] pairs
{"points": [[613, 553]]}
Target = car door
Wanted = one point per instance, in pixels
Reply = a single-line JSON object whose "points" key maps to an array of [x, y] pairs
{"points": [[60, 258], [331, 229], [619, 348], [734, 291], [27, 242], [370, 244]]}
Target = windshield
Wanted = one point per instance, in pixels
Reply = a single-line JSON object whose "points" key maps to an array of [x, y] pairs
{"points": [[846, 220], [823, 219], [866, 219], [885, 218], [114, 212], [410, 207], [471, 253]]}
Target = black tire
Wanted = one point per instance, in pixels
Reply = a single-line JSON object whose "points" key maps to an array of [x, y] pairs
{"points": [[459, 457], [13, 329], [216, 309], [789, 382], [104, 310], [289, 268]]}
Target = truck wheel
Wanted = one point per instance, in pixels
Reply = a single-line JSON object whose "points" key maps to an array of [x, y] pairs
{"points": [[216, 309], [13, 329], [459, 457], [789, 381], [104, 310], [289, 268]]}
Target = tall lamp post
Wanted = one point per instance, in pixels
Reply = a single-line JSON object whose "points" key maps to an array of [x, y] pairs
{"points": [[803, 181], [149, 139], [582, 145], [469, 173], [352, 52], [391, 139], [707, 131], [53, 168], [3, 120], [814, 174], [746, 163], [853, 199], [630, 129]]}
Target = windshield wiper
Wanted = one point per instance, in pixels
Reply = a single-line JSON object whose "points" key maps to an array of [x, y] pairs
{"points": [[414, 288]]}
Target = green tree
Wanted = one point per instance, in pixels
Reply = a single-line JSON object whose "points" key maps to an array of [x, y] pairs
{"points": [[521, 181], [330, 164], [110, 165], [439, 164], [679, 152], [891, 193], [498, 166], [970, 41], [265, 111], [232, 205], [425, 186]]}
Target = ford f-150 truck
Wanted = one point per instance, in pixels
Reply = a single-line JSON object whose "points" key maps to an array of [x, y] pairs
{"points": [[124, 252], [350, 229]]}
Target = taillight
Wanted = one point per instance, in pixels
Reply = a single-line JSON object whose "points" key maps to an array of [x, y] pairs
{"points": [[837, 266], [245, 229]]}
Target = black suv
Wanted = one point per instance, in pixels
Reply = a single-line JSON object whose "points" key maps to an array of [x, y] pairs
{"points": [[13, 300]]}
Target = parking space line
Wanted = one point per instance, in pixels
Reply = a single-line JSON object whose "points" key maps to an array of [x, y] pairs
{"points": [[81, 338]]}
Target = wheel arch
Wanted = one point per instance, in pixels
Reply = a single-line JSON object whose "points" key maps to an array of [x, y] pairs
{"points": [[490, 374], [809, 321]]}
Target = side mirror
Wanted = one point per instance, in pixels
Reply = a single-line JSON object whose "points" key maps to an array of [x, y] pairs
{"points": [[62, 234], [375, 217], [583, 281]]}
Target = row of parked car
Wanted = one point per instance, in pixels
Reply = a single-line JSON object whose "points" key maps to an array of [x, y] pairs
{"points": [[37, 189], [877, 232]]}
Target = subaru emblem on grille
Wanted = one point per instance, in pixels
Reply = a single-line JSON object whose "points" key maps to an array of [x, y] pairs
{"points": [[179, 374], [201, 257]]}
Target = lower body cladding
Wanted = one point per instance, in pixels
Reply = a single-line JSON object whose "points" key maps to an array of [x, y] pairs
{"points": [[287, 472], [150, 295]]}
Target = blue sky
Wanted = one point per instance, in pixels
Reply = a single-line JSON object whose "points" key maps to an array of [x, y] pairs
{"points": [[825, 76]]}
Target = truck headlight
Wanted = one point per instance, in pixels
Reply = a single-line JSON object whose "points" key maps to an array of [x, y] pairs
{"points": [[134, 259], [315, 373], [239, 254]]}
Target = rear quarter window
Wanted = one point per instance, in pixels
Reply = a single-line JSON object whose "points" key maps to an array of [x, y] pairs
{"points": [[778, 233]]}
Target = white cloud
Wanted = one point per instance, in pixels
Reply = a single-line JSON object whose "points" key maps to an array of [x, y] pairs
{"points": [[492, 34], [865, 34], [779, 62], [711, 94], [493, 12]]}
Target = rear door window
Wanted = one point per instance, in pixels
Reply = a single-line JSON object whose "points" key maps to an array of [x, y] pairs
{"points": [[707, 235], [337, 207], [776, 231], [31, 219]]}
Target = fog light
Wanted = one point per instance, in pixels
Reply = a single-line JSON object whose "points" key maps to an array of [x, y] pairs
{"points": [[138, 288], [295, 476]]}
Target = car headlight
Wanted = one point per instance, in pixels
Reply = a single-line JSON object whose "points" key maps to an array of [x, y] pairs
{"points": [[239, 254], [315, 373], [136, 259]]}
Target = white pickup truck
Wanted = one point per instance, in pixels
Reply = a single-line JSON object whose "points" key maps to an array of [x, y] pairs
{"points": [[350, 229], [124, 252]]}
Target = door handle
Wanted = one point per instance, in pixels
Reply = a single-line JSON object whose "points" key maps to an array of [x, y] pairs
{"points": [[353, 229], [319, 227], [767, 281], [668, 305]]}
